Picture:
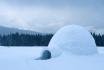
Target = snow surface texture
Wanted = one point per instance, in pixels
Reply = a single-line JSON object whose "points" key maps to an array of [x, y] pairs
{"points": [[22, 58], [74, 39]]}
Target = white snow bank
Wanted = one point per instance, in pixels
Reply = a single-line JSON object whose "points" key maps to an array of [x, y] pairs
{"points": [[74, 39], [72, 62], [22, 58], [19, 52]]}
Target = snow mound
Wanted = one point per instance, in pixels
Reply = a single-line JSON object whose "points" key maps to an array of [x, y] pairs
{"points": [[74, 39]]}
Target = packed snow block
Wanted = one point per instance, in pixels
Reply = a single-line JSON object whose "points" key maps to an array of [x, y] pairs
{"points": [[74, 39], [55, 51]]}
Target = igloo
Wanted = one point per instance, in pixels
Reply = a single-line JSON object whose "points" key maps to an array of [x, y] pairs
{"points": [[74, 39]]}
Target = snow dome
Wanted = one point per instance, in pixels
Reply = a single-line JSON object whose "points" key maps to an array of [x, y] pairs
{"points": [[73, 39]]}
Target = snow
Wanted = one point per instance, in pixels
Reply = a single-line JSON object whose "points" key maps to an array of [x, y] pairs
{"points": [[65, 62], [55, 51], [74, 39], [101, 49], [73, 45], [22, 58], [14, 58]]}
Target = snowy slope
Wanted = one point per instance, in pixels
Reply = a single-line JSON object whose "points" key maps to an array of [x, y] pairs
{"points": [[22, 58], [7, 30]]}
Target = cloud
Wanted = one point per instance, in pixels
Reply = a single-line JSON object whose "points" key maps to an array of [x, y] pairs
{"points": [[43, 17]]}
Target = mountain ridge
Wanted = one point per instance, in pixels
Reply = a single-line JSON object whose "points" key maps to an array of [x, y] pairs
{"points": [[7, 30]]}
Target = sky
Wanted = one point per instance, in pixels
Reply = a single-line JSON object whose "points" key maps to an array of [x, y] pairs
{"points": [[50, 15]]}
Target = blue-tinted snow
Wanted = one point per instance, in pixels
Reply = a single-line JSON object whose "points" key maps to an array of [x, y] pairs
{"points": [[22, 58], [74, 39]]}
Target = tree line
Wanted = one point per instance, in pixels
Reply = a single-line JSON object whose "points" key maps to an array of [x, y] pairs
{"points": [[17, 39], [99, 39]]}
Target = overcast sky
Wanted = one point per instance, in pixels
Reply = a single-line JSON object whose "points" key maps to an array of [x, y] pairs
{"points": [[50, 15]]}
